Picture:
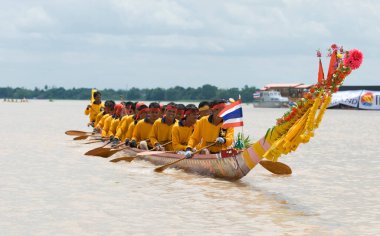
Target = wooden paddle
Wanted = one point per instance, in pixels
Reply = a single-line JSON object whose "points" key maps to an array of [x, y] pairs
{"points": [[110, 152], [277, 168], [126, 158], [162, 168], [77, 133], [163, 145], [95, 151], [131, 158], [81, 137], [106, 152], [94, 141], [97, 140]]}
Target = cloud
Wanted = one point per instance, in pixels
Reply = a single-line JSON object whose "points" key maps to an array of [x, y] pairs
{"points": [[218, 42], [34, 19], [163, 14]]}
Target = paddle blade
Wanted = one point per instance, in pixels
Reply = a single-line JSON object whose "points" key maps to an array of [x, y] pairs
{"points": [[108, 153], [76, 132], [277, 168], [81, 137], [96, 151], [126, 158]]}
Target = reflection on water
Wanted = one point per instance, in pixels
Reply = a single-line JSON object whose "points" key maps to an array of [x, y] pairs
{"points": [[49, 187]]}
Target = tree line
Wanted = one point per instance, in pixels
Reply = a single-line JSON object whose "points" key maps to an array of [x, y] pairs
{"points": [[177, 93]]}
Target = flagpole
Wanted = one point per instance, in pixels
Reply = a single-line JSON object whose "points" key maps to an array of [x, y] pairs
{"points": [[242, 127]]}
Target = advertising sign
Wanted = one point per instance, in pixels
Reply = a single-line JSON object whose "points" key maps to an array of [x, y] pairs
{"points": [[370, 100]]}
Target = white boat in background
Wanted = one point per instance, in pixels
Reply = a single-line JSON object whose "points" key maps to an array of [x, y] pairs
{"points": [[269, 99]]}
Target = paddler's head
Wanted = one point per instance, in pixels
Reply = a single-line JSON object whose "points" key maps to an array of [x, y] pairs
{"points": [[217, 106], [141, 110], [154, 111], [191, 114], [119, 110], [170, 111], [128, 107], [97, 97], [180, 111], [109, 106], [204, 109]]}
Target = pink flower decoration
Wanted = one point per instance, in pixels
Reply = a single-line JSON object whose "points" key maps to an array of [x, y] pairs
{"points": [[319, 54], [354, 59]]}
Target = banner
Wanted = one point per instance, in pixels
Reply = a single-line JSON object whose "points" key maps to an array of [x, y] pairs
{"points": [[362, 99], [348, 98], [369, 100]]}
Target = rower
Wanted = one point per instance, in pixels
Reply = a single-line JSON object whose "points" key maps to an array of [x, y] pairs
{"points": [[107, 122], [119, 113], [161, 133], [143, 127], [204, 109], [208, 130], [183, 129], [122, 128], [108, 109], [130, 107], [94, 108], [141, 112]]}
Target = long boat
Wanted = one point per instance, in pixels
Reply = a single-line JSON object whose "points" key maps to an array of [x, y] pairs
{"points": [[295, 127], [230, 164]]}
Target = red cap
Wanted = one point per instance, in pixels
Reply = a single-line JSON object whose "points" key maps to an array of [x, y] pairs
{"points": [[118, 109], [139, 104]]}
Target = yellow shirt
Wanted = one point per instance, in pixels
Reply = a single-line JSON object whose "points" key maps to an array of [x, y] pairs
{"points": [[114, 124], [161, 133], [142, 130], [101, 121], [130, 130], [206, 133], [180, 136], [98, 117], [106, 126], [93, 111], [122, 129]]}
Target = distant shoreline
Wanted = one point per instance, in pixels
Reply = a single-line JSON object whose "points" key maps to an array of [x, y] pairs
{"points": [[177, 93]]}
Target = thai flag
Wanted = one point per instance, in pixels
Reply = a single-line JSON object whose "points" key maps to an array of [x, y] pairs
{"points": [[232, 115]]}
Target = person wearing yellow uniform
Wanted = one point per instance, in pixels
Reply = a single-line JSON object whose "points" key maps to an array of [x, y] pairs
{"points": [[98, 118], [143, 127], [119, 113], [107, 123], [108, 109], [95, 108], [161, 134], [183, 129], [208, 130], [122, 128], [141, 113]]}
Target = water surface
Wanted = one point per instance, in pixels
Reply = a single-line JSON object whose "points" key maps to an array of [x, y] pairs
{"points": [[48, 187]]}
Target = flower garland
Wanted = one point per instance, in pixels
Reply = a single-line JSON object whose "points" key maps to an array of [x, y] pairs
{"points": [[298, 124]]}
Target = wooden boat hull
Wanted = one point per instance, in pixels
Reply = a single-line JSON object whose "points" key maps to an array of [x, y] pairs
{"points": [[212, 165]]}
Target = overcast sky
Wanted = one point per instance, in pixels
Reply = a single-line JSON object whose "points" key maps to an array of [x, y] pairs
{"points": [[146, 44]]}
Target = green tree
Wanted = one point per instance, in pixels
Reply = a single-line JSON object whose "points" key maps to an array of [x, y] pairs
{"points": [[208, 91], [133, 94]]}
